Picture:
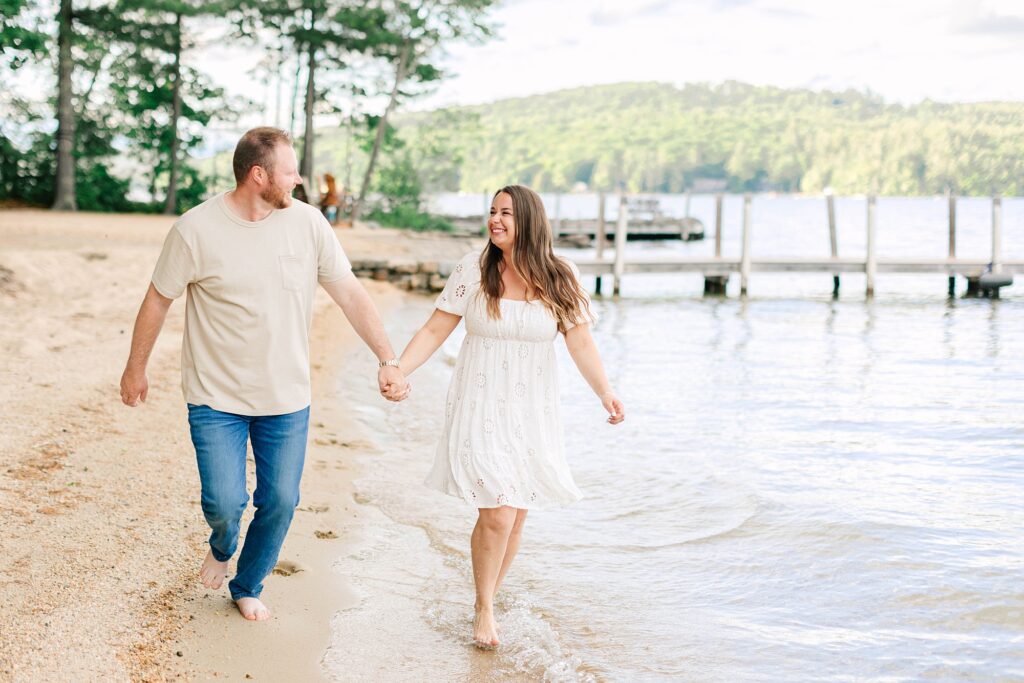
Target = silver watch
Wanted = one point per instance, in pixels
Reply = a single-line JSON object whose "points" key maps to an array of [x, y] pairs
{"points": [[393, 363]]}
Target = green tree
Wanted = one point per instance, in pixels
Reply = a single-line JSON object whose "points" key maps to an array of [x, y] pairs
{"points": [[165, 104], [64, 199], [417, 30], [325, 34]]}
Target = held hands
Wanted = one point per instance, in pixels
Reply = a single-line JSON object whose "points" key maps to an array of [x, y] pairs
{"points": [[616, 411], [393, 385], [134, 387]]}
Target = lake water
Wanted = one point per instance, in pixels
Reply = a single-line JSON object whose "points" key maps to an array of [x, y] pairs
{"points": [[804, 489]]}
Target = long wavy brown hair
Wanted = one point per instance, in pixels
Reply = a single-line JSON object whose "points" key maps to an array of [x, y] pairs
{"points": [[549, 277]]}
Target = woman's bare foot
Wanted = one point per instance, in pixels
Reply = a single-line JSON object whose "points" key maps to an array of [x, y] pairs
{"points": [[252, 609], [213, 572], [485, 630]]}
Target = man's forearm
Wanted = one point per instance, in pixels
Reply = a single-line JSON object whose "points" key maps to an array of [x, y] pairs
{"points": [[148, 324], [358, 307]]}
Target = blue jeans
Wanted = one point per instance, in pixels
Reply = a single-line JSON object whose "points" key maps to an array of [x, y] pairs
{"points": [[279, 448]]}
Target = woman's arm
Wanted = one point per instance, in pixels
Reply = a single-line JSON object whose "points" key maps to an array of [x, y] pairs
{"points": [[428, 340], [584, 353]]}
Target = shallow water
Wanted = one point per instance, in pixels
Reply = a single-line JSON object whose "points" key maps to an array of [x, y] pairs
{"points": [[804, 489]]}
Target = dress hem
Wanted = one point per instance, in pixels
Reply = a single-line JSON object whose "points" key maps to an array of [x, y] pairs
{"points": [[473, 503]]}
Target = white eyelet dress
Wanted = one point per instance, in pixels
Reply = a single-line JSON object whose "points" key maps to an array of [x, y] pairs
{"points": [[502, 442]]}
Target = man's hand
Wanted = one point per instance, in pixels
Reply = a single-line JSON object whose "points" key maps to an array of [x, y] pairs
{"points": [[393, 385], [134, 387]]}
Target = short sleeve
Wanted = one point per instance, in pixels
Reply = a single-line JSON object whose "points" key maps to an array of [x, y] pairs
{"points": [[461, 285], [589, 316], [175, 268], [331, 262]]}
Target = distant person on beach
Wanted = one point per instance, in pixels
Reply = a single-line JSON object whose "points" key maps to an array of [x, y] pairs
{"points": [[501, 449], [249, 260], [330, 203]]}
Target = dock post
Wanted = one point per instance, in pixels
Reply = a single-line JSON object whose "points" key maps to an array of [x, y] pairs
{"points": [[870, 265], [601, 237], [833, 243], [487, 211], [558, 213], [997, 236], [997, 243], [718, 226], [952, 241], [745, 253], [620, 244], [715, 285]]}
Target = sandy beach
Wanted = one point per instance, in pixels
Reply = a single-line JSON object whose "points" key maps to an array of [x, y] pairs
{"points": [[100, 523]]}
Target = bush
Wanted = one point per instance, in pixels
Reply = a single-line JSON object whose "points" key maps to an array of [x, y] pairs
{"points": [[409, 217]]}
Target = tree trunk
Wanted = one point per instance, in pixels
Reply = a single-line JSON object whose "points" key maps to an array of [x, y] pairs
{"points": [[171, 207], [64, 198], [400, 71], [295, 90], [306, 168]]}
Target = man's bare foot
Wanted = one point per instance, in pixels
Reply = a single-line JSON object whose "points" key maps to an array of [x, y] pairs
{"points": [[485, 631], [252, 609], [213, 572]]}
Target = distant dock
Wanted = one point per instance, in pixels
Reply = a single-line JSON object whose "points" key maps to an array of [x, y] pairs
{"points": [[984, 277], [647, 221]]}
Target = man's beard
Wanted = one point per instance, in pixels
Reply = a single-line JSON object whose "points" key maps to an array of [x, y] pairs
{"points": [[276, 197]]}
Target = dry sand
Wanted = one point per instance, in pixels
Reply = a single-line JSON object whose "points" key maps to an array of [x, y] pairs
{"points": [[101, 534]]}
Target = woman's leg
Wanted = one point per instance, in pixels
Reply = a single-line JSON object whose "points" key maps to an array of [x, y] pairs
{"points": [[512, 547], [488, 543]]}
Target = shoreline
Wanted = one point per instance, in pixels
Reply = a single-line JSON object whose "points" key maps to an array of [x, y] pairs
{"points": [[101, 533], [303, 593]]}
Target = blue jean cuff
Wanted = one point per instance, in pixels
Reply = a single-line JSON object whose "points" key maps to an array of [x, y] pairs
{"points": [[238, 596], [218, 555]]}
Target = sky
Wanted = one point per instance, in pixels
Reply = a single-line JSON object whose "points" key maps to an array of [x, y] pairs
{"points": [[905, 50]]}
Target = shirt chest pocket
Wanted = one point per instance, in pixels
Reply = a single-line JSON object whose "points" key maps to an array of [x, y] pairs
{"points": [[293, 273]]}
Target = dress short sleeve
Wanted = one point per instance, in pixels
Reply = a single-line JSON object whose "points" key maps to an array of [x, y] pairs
{"points": [[175, 268], [590, 318], [461, 285]]}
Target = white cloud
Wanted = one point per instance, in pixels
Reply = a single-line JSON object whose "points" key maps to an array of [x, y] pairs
{"points": [[906, 50]]}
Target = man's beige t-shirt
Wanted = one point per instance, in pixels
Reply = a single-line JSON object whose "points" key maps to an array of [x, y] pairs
{"points": [[250, 303]]}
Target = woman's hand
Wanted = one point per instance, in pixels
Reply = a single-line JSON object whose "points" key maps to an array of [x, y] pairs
{"points": [[616, 411]]}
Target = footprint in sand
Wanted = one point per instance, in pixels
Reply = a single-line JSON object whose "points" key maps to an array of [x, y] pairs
{"points": [[315, 508], [287, 568], [325, 534]]}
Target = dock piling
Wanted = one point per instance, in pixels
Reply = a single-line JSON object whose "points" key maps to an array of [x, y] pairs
{"points": [[952, 241], [745, 253], [871, 266], [601, 237], [716, 284], [833, 243], [620, 244]]}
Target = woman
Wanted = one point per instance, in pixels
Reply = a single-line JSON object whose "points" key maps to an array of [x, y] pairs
{"points": [[501, 450]]}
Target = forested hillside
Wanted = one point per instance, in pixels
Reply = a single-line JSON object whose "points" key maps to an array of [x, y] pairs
{"points": [[661, 138]]}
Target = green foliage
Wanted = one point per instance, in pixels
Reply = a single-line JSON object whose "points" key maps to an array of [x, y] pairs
{"points": [[96, 189], [19, 38], [650, 137], [152, 35], [400, 188], [410, 219]]}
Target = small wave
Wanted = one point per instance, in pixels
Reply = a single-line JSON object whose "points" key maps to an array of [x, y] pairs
{"points": [[531, 647]]}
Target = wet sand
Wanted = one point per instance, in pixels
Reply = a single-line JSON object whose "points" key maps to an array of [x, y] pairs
{"points": [[101, 534]]}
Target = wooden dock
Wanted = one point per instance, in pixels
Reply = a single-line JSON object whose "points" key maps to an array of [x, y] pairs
{"points": [[984, 277], [647, 222]]}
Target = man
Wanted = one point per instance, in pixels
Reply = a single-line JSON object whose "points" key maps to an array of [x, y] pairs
{"points": [[249, 260]]}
